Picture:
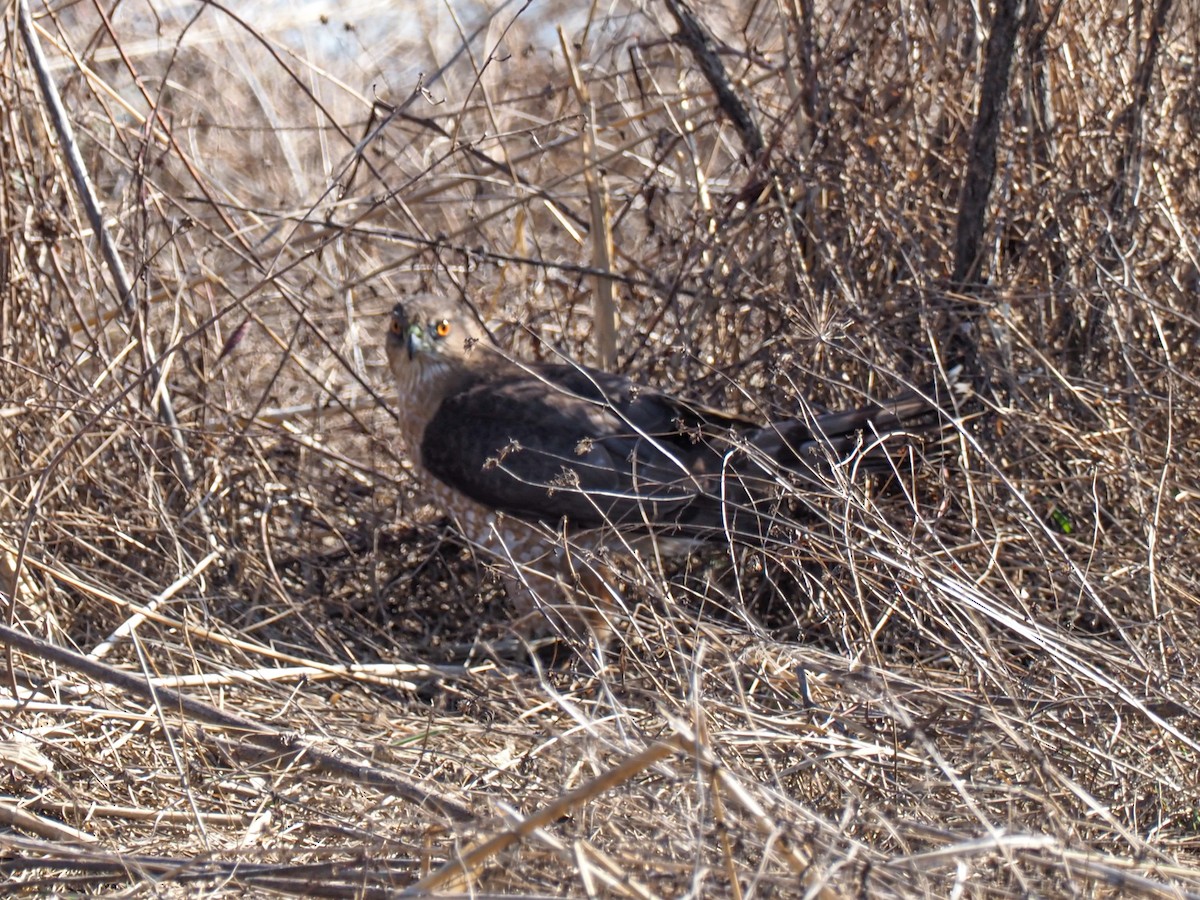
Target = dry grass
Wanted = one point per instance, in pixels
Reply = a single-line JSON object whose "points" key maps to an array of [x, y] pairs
{"points": [[980, 685]]}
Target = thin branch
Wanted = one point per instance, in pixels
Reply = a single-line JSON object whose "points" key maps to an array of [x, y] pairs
{"points": [[108, 247], [284, 744]]}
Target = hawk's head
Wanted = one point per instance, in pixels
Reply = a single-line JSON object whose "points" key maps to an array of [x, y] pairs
{"points": [[428, 344]]}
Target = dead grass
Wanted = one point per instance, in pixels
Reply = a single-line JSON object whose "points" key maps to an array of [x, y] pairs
{"points": [[981, 684]]}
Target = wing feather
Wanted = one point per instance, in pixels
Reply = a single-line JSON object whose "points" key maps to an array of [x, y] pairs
{"points": [[560, 441]]}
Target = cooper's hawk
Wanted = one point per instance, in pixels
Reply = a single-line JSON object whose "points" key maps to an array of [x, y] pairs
{"points": [[547, 467]]}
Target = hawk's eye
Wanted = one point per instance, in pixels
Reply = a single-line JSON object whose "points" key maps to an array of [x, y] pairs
{"points": [[442, 328]]}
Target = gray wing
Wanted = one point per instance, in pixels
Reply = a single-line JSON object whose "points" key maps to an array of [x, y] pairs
{"points": [[563, 441]]}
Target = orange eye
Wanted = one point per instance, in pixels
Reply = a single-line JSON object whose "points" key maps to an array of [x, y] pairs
{"points": [[442, 328]]}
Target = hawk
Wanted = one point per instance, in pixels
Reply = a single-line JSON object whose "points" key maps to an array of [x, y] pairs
{"points": [[551, 467]]}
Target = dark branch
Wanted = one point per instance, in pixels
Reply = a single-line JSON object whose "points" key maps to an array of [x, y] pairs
{"points": [[981, 160], [693, 35]]}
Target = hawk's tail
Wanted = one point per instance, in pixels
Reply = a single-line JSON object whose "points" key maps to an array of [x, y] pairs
{"points": [[874, 438]]}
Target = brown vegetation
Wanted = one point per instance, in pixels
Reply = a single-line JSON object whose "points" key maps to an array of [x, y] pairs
{"points": [[243, 655]]}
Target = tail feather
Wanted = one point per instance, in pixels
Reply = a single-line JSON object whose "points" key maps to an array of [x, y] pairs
{"points": [[871, 438], [874, 437]]}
